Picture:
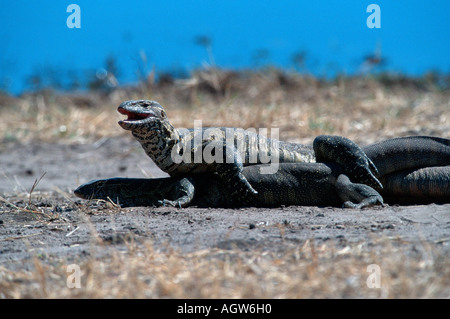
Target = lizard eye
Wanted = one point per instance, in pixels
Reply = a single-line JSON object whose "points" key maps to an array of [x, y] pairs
{"points": [[163, 114]]}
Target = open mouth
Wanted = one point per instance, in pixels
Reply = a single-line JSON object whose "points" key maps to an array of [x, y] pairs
{"points": [[133, 116]]}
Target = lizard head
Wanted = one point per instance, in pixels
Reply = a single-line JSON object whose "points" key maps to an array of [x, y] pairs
{"points": [[141, 114]]}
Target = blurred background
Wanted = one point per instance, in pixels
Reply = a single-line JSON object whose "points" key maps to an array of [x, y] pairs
{"points": [[125, 42]]}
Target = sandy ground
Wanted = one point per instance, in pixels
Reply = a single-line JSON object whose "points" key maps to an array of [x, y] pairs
{"points": [[67, 224]]}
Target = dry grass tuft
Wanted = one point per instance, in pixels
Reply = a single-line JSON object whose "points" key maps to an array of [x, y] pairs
{"points": [[307, 271]]}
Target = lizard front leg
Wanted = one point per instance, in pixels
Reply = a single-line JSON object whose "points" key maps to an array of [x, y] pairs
{"points": [[354, 162], [230, 171]]}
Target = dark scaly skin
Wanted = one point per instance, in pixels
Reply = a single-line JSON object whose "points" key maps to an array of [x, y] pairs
{"points": [[301, 184], [130, 192], [314, 184], [407, 155], [409, 152], [235, 149], [423, 185], [308, 184]]}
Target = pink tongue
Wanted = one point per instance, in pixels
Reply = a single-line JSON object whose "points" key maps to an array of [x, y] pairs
{"points": [[137, 116]]}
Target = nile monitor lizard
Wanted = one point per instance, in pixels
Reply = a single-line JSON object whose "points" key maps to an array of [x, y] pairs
{"points": [[225, 150], [413, 168]]}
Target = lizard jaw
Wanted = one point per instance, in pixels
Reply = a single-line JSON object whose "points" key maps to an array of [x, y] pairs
{"points": [[133, 118]]}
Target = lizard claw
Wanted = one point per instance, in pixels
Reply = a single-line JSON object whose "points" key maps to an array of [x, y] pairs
{"points": [[364, 171], [166, 202], [372, 166]]}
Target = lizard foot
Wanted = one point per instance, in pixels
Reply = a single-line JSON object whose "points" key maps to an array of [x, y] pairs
{"points": [[356, 195]]}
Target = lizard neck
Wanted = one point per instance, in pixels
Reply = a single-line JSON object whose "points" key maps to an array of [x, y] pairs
{"points": [[158, 141]]}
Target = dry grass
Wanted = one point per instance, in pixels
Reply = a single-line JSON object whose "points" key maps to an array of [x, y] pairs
{"points": [[362, 109], [307, 271]]}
